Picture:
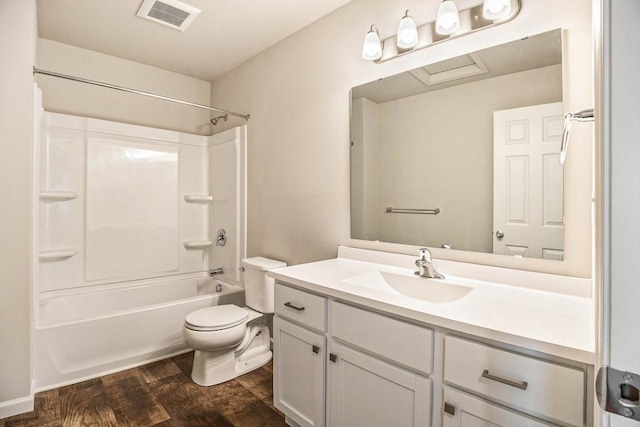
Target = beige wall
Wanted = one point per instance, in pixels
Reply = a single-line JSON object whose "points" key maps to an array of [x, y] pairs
{"points": [[436, 150], [17, 50], [364, 169], [297, 93], [68, 97]]}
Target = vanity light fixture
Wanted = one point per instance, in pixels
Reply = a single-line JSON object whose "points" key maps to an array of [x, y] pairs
{"points": [[496, 9], [372, 47], [407, 32], [450, 23], [448, 20]]}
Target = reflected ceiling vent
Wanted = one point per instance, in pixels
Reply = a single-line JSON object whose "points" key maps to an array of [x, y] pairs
{"points": [[171, 13], [452, 69]]}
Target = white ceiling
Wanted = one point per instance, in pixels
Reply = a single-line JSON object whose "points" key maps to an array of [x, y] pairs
{"points": [[226, 33]]}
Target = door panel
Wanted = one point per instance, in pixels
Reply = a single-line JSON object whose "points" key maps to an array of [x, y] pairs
{"points": [[368, 392], [299, 371], [470, 411], [528, 182], [619, 220]]}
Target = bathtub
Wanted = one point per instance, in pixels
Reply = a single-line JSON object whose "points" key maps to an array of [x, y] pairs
{"points": [[84, 334]]}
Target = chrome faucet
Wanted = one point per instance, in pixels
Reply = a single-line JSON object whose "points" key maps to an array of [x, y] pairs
{"points": [[425, 265], [215, 271]]}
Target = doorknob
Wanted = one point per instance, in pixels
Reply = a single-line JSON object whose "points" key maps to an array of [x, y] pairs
{"points": [[499, 234]]}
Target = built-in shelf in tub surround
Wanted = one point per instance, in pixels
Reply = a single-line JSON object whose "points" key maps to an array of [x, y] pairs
{"points": [[197, 244], [58, 196], [198, 198], [57, 254]]}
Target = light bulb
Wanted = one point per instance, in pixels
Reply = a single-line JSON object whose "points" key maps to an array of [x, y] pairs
{"points": [[496, 9], [407, 37], [448, 20], [372, 48]]}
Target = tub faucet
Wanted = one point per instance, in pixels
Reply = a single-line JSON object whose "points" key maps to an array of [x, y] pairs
{"points": [[215, 271], [425, 265]]}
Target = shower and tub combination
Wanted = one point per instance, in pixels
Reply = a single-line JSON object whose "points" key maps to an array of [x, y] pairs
{"points": [[127, 226]]}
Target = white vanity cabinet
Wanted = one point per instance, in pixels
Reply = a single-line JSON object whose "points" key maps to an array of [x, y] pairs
{"points": [[343, 365], [299, 358], [464, 410], [374, 372], [372, 367], [365, 391], [548, 390]]}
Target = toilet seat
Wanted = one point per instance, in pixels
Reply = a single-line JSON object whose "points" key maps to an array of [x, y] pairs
{"points": [[216, 318]]}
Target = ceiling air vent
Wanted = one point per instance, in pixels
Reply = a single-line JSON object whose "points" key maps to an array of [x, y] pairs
{"points": [[171, 13]]}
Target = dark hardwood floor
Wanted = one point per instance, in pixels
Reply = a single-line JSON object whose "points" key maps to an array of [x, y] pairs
{"points": [[159, 394]]}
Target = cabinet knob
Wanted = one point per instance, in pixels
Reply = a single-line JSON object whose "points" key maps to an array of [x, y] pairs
{"points": [[449, 408], [333, 357], [315, 349]]}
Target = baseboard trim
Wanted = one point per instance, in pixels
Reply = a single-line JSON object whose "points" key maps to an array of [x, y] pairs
{"points": [[13, 407]]}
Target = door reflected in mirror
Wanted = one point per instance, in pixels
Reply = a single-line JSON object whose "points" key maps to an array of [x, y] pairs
{"points": [[464, 153]]}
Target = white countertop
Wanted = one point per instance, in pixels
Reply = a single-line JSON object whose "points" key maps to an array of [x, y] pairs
{"points": [[559, 324]]}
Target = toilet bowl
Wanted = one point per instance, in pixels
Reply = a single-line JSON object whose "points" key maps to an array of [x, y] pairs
{"points": [[229, 340]]}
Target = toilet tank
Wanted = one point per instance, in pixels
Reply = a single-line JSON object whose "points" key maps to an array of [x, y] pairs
{"points": [[258, 287]]}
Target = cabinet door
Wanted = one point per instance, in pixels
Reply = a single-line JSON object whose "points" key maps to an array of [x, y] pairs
{"points": [[299, 373], [463, 410], [367, 392]]}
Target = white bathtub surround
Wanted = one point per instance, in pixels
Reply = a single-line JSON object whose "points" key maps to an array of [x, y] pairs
{"points": [[127, 219], [227, 157], [108, 328], [117, 200], [542, 312]]}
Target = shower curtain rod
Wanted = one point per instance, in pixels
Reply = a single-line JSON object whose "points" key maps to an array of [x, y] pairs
{"points": [[140, 92]]}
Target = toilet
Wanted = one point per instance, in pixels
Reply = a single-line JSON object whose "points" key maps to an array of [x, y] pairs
{"points": [[229, 340]]}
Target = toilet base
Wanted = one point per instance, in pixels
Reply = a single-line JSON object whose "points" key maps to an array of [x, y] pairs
{"points": [[211, 368]]}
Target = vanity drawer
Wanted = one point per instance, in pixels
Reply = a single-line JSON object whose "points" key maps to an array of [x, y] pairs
{"points": [[300, 306], [404, 343], [526, 383]]}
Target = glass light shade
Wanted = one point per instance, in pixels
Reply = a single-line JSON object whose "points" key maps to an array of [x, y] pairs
{"points": [[448, 20], [407, 37], [496, 9], [372, 48]]}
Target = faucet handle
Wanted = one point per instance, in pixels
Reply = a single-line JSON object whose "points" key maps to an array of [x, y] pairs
{"points": [[424, 254]]}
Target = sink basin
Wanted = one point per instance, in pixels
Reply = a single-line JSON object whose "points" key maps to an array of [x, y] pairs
{"points": [[431, 290]]}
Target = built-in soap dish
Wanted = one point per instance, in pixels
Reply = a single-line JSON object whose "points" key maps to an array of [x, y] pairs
{"points": [[57, 196], [57, 254], [198, 198], [197, 244]]}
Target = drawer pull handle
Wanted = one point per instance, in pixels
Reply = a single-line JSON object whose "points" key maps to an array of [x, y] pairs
{"points": [[522, 385], [315, 349], [295, 307], [333, 357]]}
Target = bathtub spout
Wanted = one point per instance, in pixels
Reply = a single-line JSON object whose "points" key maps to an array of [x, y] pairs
{"points": [[215, 271]]}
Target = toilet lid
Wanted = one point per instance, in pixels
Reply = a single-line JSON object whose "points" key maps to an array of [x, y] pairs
{"points": [[216, 318]]}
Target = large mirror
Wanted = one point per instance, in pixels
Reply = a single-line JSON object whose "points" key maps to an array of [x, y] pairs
{"points": [[464, 153]]}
